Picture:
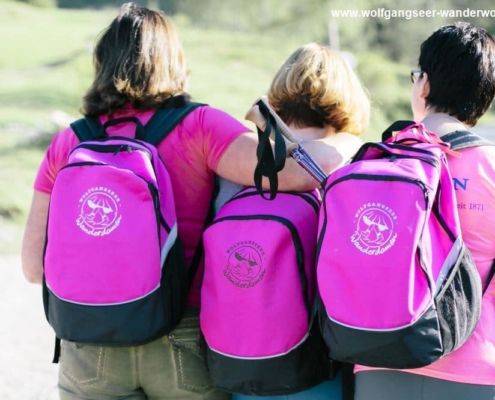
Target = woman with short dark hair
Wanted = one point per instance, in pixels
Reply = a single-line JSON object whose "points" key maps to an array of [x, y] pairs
{"points": [[453, 87]]}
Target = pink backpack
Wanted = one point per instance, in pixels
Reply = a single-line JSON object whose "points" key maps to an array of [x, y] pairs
{"points": [[258, 292], [398, 287], [114, 267]]}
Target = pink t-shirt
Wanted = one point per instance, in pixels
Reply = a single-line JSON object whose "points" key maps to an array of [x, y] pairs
{"points": [[474, 178], [190, 153]]}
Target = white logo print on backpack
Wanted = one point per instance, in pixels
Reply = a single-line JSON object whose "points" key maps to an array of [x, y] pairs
{"points": [[398, 287], [99, 211], [114, 267]]}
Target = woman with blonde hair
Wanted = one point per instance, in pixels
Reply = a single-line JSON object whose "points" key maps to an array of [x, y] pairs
{"points": [[320, 98], [317, 88]]}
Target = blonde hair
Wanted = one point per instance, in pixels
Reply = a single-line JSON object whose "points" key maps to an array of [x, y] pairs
{"points": [[316, 87], [138, 59]]}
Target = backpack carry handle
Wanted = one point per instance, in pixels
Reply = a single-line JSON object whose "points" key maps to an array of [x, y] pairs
{"points": [[111, 122], [396, 127], [411, 132]]}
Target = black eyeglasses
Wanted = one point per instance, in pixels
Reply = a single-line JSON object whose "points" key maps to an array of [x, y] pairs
{"points": [[416, 74]]}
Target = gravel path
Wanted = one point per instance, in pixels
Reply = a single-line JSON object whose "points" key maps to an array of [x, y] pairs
{"points": [[26, 339]]}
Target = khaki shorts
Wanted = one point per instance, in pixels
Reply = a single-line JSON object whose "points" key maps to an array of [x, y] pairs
{"points": [[171, 367]]}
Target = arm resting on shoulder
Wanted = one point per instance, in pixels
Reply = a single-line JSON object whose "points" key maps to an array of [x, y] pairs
{"points": [[34, 238], [238, 162]]}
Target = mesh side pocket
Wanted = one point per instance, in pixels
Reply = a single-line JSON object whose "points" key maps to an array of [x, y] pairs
{"points": [[459, 302]]}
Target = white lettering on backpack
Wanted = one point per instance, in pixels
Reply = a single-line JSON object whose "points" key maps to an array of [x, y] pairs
{"points": [[374, 233], [245, 266], [99, 211]]}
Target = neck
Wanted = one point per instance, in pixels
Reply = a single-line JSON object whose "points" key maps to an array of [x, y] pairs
{"points": [[312, 133], [441, 124]]}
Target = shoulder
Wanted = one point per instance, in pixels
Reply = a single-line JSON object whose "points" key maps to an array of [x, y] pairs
{"points": [[207, 114], [58, 150], [212, 122], [470, 154], [476, 162], [344, 141], [65, 139]]}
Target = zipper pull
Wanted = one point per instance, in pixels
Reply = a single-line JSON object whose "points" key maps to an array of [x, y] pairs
{"points": [[155, 195], [425, 193]]}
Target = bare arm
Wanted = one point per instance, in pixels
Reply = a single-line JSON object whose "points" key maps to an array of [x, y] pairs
{"points": [[238, 162], [34, 238]]}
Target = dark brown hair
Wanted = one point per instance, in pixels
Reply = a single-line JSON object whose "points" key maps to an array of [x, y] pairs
{"points": [[138, 59]]}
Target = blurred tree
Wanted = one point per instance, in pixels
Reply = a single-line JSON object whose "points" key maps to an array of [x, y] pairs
{"points": [[84, 3], [169, 7], [40, 3], [487, 22]]}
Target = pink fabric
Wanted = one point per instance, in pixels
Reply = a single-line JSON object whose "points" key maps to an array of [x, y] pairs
{"points": [[72, 240], [253, 304], [474, 178], [191, 153], [382, 230]]}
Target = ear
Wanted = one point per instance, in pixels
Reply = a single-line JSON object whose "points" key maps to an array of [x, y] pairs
{"points": [[424, 86]]}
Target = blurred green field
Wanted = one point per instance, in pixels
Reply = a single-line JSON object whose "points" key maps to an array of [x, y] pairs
{"points": [[46, 67]]}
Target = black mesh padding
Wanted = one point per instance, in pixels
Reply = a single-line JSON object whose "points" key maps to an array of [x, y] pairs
{"points": [[459, 303]]}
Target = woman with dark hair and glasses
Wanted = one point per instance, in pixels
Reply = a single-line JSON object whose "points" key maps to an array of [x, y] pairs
{"points": [[453, 87], [140, 68]]}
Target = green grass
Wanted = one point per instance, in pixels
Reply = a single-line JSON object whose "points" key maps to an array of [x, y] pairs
{"points": [[46, 66]]}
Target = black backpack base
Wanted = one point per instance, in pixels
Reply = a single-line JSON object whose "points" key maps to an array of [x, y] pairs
{"points": [[405, 348], [129, 324], [302, 368]]}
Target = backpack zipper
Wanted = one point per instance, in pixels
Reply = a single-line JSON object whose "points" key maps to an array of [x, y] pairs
{"points": [[155, 194], [112, 148], [383, 147], [306, 196], [417, 182]]}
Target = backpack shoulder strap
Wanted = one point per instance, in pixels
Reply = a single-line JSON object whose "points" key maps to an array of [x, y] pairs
{"points": [[158, 127], [165, 120], [87, 128], [200, 250], [464, 139], [491, 273]]}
